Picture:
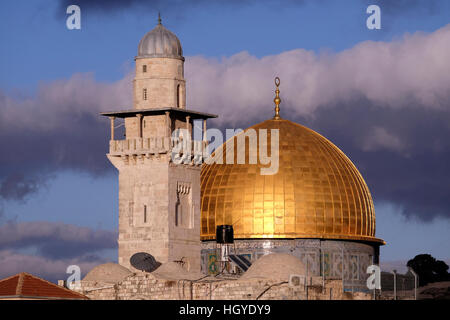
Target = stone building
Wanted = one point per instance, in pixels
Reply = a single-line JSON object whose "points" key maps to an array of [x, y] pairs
{"points": [[315, 207], [273, 277], [159, 200]]}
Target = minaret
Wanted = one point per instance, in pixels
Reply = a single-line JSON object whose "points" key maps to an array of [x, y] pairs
{"points": [[159, 199], [159, 80]]}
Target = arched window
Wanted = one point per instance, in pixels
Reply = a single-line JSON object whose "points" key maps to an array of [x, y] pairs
{"points": [[178, 96], [144, 68]]}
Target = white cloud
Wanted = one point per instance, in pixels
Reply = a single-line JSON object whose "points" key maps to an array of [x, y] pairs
{"points": [[46, 249], [414, 69], [57, 104], [52, 239]]}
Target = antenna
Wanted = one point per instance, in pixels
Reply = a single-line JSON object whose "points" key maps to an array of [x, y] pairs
{"points": [[144, 262]]}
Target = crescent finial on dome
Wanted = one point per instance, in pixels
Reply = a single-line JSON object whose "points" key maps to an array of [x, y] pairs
{"points": [[277, 100]]}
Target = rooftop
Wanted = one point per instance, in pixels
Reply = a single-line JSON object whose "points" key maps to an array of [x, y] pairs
{"points": [[108, 272], [25, 285]]}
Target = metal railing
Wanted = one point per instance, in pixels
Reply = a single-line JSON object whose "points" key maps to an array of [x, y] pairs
{"points": [[397, 286], [155, 145]]}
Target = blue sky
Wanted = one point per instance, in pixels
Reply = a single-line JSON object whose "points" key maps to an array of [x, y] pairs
{"points": [[41, 48], [38, 50]]}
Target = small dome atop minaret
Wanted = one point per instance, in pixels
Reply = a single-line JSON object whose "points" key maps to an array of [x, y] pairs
{"points": [[160, 43]]}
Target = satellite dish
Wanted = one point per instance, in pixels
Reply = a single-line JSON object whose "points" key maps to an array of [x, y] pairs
{"points": [[144, 261]]}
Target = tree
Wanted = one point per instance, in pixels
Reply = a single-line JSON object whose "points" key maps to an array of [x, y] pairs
{"points": [[429, 269]]}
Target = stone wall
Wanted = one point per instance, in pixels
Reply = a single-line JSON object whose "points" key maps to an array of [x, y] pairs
{"points": [[145, 286], [319, 256], [150, 193], [164, 82]]}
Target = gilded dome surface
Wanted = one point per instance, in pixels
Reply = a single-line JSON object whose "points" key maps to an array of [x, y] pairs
{"points": [[160, 43], [316, 193]]}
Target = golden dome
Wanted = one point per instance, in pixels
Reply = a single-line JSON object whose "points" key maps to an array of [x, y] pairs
{"points": [[316, 193]]}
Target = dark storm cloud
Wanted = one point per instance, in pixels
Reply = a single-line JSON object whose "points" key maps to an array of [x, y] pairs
{"points": [[108, 6], [400, 7], [58, 129], [12, 262], [55, 240], [46, 249], [408, 164], [403, 154], [392, 7], [385, 104], [16, 186]]}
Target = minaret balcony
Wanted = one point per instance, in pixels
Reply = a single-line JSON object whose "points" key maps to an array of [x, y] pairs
{"points": [[138, 146], [188, 149]]}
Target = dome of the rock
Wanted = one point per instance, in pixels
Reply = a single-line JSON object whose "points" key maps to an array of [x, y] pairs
{"points": [[160, 43], [316, 193]]}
